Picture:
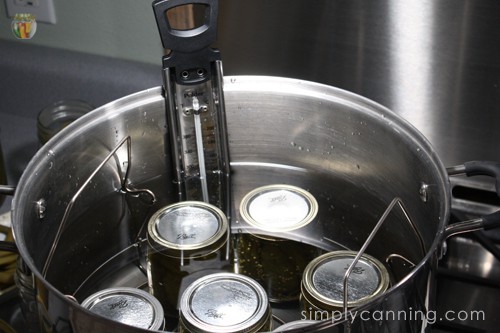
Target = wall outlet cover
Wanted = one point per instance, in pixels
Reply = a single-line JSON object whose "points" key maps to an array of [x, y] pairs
{"points": [[43, 10]]}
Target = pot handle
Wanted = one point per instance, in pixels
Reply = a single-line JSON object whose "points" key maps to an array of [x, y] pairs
{"points": [[7, 189], [476, 168]]}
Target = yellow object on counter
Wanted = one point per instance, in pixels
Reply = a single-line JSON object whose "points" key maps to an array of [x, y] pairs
{"points": [[6, 328], [8, 261]]}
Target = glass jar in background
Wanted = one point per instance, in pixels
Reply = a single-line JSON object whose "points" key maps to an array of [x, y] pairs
{"points": [[58, 115]]}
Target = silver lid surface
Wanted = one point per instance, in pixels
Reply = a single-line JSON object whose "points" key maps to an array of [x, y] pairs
{"points": [[129, 306], [224, 302], [324, 276], [278, 208], [187, 225]]}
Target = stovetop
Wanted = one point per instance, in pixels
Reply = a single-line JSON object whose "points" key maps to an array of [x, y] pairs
{"points": [[468, 279], [468, 290]]}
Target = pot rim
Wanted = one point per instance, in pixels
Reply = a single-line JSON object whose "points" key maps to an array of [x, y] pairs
{"points": [[234, 84]]}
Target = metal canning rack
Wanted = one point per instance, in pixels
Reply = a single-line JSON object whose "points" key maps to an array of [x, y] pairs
{"points": [[140, 244], [124, 187]]}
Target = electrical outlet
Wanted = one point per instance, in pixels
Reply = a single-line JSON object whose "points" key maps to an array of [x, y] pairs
{"points": [[43, 10]]}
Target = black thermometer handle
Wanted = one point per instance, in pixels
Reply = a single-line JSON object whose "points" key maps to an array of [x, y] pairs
{"points": [[191, 54]]}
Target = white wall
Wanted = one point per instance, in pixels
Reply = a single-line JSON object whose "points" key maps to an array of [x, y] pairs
{"points": [[124, 29]]}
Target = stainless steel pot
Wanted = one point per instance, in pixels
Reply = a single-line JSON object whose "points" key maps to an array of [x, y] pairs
{"points": [[81, 204]]}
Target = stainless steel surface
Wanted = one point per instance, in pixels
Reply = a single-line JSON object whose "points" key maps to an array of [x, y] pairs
{"points": [[457, 295], [468, 256], [462, 227], [327, 140], [7, 190], [435, 63], [456, 170], [468, 283], [294, 325]]}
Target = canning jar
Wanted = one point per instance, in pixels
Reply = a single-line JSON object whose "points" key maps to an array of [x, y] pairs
{"points": [[186, 240], [134, 307], [224, 302], [263, 252], [323, 283]]}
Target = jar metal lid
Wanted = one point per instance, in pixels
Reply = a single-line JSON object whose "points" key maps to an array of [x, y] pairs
{"points": [[224, 302], [322, 282], [129, 306], [188, 229], [278, 208]]}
